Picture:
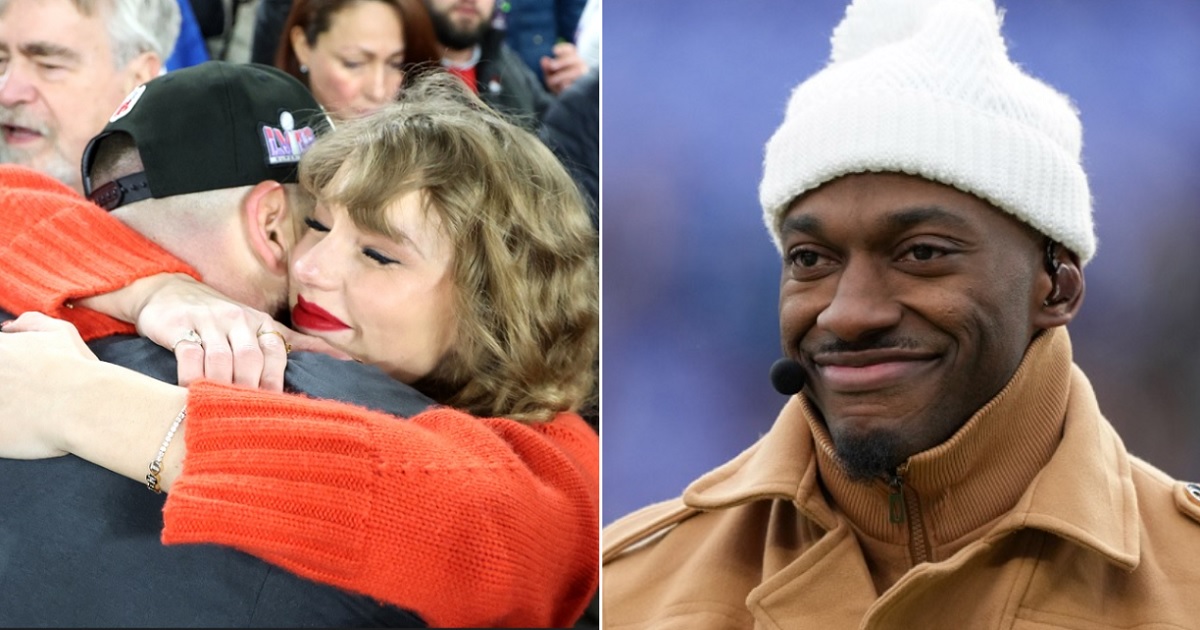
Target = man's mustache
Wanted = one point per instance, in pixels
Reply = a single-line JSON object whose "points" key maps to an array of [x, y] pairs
{"points": [[19, 117], [875, 343]]}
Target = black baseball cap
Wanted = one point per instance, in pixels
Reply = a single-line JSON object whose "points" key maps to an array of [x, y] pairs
{"points": [[211, 126]]}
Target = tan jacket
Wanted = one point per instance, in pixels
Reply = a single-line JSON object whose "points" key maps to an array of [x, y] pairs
{"points": [[1032, 515]]}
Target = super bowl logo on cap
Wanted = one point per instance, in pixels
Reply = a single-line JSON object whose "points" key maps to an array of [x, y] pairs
{"points": [[285, 144], [126, 105]]}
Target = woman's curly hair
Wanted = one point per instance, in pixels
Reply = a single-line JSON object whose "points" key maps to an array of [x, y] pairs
{"points": [[525, 251]]}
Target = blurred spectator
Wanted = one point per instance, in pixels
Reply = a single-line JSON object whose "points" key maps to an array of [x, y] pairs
{"points": [[587, 35], [571, 128], [355, 54], [67, 65], [535, 28], [474, 50], [269, 18], [564, 68], [211, 17], [190, 49]]}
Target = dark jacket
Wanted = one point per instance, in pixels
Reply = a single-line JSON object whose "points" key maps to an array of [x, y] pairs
{"points": [[533, 27], [79, 545], [507, 84], [571, 128]]}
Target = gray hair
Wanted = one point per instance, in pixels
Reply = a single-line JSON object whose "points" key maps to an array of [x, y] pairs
{"points": [[134, 26], [138, 26]]}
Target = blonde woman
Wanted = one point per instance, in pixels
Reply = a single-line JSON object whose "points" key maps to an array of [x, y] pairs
{"points": [[451, 250]]}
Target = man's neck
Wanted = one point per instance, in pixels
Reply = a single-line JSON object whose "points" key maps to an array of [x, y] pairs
{"points": [[463, 58]]}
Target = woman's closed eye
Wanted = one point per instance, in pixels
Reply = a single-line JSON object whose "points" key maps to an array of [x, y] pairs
{"points": [[374, 255], [315, 225]]}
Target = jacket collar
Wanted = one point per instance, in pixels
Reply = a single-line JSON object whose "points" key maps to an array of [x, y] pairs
{"points": [[1037, 455]]}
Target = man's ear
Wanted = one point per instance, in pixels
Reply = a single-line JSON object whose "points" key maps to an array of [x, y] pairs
{"points": [[144, 67], [269, 230], [1061, 301]]}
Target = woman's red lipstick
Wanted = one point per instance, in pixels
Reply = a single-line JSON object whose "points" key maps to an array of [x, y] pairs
{"points": [[308, 315]]}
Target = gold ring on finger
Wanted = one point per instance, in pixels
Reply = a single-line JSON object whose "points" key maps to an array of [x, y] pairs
{"points": [[287, 347], [190, 336]]}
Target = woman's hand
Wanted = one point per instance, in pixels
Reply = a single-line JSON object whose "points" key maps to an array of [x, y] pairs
{"points": [[36, 352], [217, 338], [56, 398]]}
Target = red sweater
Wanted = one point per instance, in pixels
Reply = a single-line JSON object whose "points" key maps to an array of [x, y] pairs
{"points": [[466, 521]]}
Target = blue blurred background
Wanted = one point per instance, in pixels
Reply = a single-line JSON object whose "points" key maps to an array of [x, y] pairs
{"points": [[693, 90]]}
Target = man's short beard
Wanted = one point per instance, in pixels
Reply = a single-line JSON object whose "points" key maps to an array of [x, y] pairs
{"points": [[454, 38], [56, 164], [868, 456]]}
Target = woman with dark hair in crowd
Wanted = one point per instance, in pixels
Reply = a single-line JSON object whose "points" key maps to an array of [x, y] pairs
{"points": [[355, 55]]}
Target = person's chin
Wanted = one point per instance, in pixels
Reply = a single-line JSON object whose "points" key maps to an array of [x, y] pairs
{"points": [[50, 162], [10, 154], [859, 412], [872, 435], [868, 452], [341, 341], [358, 111]]}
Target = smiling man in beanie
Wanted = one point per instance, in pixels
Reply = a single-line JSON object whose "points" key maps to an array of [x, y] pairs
{"points": [[942, 462]]}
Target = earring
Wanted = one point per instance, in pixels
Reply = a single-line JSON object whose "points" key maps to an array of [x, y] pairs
{"points": [[303, 69]]}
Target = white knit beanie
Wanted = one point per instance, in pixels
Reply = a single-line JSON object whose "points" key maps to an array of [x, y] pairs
{"points": [[925, 87]]}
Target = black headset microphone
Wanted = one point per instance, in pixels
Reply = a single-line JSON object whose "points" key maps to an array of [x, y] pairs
{"points": [[787, 375]]}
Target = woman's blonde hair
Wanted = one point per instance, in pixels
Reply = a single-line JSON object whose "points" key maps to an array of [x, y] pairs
{"points": [[525, 260]]}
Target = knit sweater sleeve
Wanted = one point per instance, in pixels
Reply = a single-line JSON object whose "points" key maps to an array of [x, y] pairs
{"points": [[469, 522], [56, 247]]}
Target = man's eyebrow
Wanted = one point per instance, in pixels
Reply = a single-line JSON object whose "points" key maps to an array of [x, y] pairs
{"points": [[48, 49], [898, 220], [911, 217], [804, 224]]}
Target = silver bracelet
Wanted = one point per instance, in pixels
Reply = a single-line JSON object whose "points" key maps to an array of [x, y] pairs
{"points": [[156, 465]]}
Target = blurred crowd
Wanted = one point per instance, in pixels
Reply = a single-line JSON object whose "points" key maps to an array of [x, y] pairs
{"points": [[536, 61]]}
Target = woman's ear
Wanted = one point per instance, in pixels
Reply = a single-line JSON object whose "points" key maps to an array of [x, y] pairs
{"points": [[300, 45], [1065, 296]]}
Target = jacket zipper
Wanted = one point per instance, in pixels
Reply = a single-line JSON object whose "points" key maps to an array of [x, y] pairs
{"points": [[904, 506]]}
